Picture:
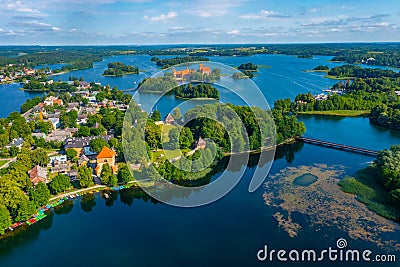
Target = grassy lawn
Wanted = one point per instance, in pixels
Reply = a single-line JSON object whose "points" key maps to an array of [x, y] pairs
{"points": [[370, 192], [165, 128], [51, 150], [2, 162], [343, 113], [171, 153]]}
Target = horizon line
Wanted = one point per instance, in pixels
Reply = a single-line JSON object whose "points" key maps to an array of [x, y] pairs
{"points": [[171, 44]]}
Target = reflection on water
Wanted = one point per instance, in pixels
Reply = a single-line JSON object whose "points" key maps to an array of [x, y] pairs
{"points": [[305, 179]]}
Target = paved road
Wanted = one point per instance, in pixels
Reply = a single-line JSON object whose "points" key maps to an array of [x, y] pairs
{"points": [[77, 191], [9, 162]]}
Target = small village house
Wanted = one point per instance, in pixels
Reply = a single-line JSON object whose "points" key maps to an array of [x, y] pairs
{"points": [[38, 174], [17, 142]]}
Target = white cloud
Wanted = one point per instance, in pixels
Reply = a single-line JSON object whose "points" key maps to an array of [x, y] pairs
{"points": [[16, 6], [177, 28], [234, 32], [262, 15], [162, 17], [211, 8], [382, 24], [347, 7], [56, 29]]}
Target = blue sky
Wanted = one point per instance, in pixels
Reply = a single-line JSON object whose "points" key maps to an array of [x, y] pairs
{"points": [[84, 22]]}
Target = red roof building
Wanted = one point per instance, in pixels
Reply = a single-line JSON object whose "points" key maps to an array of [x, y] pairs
{"points": [[38, 174], [106, 156]]}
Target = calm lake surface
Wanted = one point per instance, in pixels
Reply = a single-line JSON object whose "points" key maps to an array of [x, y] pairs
{"points": [[134, 231]]}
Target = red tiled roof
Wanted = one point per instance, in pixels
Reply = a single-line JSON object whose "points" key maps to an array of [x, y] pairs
{"points": [[106, 153]]}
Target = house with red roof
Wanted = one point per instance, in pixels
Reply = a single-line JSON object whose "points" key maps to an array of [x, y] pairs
{"points": [[106, 156], [38, 174]]}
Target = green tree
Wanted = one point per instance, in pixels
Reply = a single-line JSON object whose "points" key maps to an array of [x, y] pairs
{"points": [[106, 174], [124, 175], [14, 151], [152, 135], [97, 144], [113, 180], [83, 131], [71, 153], [173, 135], [40, 194], [45, 126], [156, 115], [176, 113], [25, 210], [60, 183], [40, 157], [25, 160], [5, 219], [185, 138], [85, 176], [394, 197]]}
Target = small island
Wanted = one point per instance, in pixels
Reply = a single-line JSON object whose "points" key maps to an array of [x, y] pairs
{"points": [[197, 91], [119, 69], [321, 68], [168, 62], [247, 69]]}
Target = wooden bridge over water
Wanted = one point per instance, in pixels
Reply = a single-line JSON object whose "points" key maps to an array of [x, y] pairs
{"points": [[337, 146]]}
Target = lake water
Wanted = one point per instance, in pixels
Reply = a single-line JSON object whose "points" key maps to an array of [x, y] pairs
{"points": [[305, 179], [12, 98], [134, 231]]}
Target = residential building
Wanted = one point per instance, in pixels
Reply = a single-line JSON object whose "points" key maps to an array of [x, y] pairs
{"points": [[18, 142], [55, 122], [61, 135], [200, 143], [39, 135], [52, 100], [78, 143], [83, 160], [73, 175], [38, 174], [169, 119]]}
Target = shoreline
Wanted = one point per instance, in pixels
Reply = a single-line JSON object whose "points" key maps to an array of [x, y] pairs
{"points": [[117, 76], [337, 113]]}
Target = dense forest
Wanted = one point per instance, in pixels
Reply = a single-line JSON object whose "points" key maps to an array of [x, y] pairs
{"points": [[248, 66], [37, 86], [374, 90], [197, 91], [359, 72], [157, 84], [383, 54], [378, 58], [321, 68], [119, 69], [387, 165], [168, 62], [247, 69]]}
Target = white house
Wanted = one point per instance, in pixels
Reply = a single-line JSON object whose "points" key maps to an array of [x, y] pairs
{"points": [[55, 122]]}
